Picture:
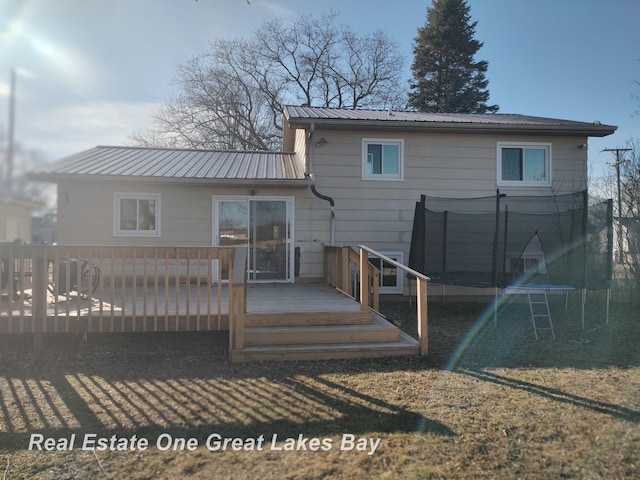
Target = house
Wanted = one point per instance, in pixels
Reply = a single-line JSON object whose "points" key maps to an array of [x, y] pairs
{"points": [[15, 217], [344, 177]]}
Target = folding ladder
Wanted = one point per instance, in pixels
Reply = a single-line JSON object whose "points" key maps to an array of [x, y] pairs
{"points": [[539, 308]]}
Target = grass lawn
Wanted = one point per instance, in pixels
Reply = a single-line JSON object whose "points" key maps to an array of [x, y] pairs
{"points": [[486, 403]]}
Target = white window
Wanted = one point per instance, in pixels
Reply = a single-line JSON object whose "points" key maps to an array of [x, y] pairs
{"points": [[527, 164], [136, 215], [382, 159], [390, 275]]}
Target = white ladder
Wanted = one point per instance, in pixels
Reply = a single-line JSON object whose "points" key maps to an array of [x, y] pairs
{"points": [[539, 308]]}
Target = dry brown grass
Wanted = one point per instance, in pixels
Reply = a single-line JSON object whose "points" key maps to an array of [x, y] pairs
{"points": [[486, 403]]}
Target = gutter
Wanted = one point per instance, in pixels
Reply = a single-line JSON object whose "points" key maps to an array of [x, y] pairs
{"points": [[589, 130]]}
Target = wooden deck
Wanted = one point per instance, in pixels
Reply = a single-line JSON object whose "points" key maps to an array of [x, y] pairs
{"points": [[171, 289], [190, 301], [282, 321]]}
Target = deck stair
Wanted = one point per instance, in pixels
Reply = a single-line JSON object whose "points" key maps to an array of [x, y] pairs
{"points": [[332, 334]]}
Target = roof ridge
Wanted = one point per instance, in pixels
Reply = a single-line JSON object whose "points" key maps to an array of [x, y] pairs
{"points": [[204, 150]]}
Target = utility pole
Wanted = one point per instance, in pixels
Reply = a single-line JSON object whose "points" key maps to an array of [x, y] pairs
{"points": [[10, 148], [616, 165]]}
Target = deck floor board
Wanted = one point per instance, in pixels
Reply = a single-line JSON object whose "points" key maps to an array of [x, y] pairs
{"points": [[261, 298]]}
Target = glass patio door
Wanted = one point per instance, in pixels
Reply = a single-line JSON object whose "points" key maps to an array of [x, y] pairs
{"points": [[262, 225]]}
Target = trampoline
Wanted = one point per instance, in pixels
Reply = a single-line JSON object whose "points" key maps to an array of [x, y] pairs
{"points": [[515, 243]]}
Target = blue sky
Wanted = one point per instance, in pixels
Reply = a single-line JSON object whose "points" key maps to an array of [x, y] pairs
{"points": [[90, 72]]}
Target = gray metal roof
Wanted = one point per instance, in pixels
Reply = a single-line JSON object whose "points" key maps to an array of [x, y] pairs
{"points": [[226, 166], [450, 122]]}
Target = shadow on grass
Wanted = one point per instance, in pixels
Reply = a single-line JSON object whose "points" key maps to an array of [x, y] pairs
{"points": [[557, 395], [142, 400], [182, 384], [467, 334]]}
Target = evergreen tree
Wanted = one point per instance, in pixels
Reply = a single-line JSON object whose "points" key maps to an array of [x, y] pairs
{"points": [[445, 76]]}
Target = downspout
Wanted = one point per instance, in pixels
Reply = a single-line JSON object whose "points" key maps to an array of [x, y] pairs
{"points": [[311, 175]]}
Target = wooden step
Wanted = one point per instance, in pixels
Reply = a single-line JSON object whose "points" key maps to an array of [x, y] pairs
{"points": [[405, 346], [291, 319], [377, 330]]}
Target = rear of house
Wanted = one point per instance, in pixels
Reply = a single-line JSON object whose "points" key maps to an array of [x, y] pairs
{"points": [[374, 165], [345, 177]]}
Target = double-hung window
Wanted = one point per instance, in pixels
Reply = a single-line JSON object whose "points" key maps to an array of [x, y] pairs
{"points": [[382, 159], [136, 215], [527, 164]]}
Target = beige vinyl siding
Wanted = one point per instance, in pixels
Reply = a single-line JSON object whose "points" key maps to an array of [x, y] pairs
{"points": [[376, 213], [15, 221], [86, 216], [380, 213]]}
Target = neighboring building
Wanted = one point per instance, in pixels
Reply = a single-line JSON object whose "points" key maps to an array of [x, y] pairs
{"points": [[629, 227], [15, 217], [345, 177]]}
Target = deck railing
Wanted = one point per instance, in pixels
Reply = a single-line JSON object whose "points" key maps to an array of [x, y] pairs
{"points": [[49, 288], [351, 272], [342, 271], [237, 300], [422, 280]]}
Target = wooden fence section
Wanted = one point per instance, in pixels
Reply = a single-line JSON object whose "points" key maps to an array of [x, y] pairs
{"points": [[49, 289], [342, 271]]}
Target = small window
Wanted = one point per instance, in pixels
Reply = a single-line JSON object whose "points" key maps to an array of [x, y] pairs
{"points": [[524, 164], [382, 159], [137, 215], [390, 275]]}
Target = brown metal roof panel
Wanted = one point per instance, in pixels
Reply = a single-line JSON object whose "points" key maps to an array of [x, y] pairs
{"points": [[425, 120], [167, 163], [199, 166], [135, 162]]}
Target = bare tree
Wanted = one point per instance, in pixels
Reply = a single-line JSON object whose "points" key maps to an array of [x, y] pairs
{"points": [[232, 96], [629, 212], [221, 104], [630, 194]]}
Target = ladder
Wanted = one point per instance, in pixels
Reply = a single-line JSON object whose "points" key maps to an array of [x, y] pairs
{"points": [[539, 308]]}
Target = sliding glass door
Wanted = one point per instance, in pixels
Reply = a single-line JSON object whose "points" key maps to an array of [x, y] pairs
{"points": [[261, 224]]}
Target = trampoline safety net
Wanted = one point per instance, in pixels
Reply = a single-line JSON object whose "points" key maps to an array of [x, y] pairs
{"points": [[487, 242]]}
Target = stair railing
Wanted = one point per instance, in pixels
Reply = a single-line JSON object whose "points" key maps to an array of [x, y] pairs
{"points": [[422, 280]]}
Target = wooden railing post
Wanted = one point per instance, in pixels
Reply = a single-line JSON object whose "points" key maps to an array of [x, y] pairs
{"points": [[344, 268], [423, 338], [237, 300], [376, 290], [364, 279], [39, 299]]}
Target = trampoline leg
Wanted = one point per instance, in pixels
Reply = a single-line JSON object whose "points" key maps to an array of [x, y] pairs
{"points": [[495, 308], [584, 300]]}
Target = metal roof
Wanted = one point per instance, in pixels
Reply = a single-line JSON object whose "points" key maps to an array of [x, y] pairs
{"points": [[450, 122], [226, 166]]}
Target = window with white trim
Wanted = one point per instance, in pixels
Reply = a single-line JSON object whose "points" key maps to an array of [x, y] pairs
{"points": [[382, 159], [390, 275], [527, 164], [136, 214]]}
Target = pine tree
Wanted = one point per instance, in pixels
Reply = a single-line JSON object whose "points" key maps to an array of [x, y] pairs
{"points": [[445, 76]]}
